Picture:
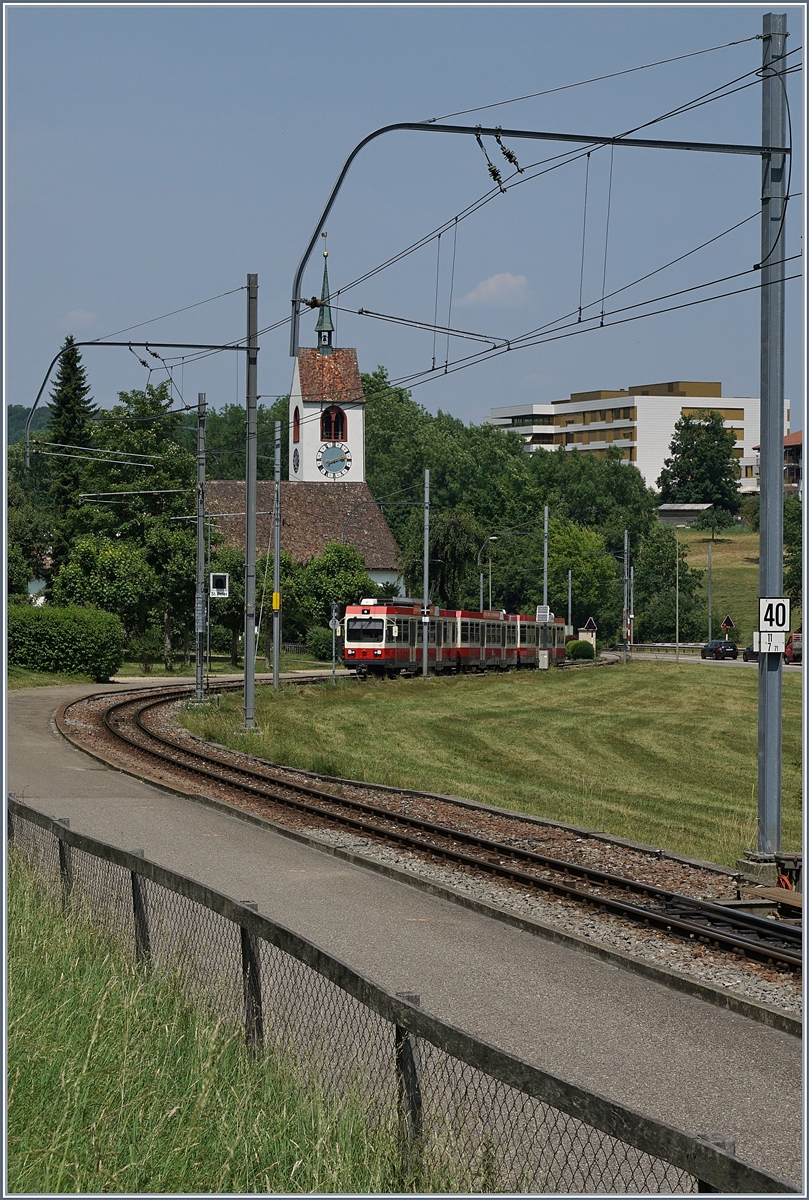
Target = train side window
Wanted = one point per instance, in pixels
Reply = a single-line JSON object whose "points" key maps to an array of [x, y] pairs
{"points": [[404, 632], [464, 633], [431, 637]]}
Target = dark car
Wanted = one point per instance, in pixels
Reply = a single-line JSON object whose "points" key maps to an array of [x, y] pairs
{"points": [[750, 654], [720, 649]]}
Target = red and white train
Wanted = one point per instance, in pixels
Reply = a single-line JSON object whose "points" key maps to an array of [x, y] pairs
{"points": [[385, 637]]}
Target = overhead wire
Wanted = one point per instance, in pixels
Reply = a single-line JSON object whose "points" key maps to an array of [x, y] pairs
{"points": [[417, 378], [594, 79], [174, 313]]}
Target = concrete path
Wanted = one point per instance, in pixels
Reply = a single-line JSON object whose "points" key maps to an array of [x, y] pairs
{"points": [[673, 1057]]}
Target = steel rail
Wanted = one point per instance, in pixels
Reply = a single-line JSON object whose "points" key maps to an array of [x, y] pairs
{"points": [[729, 929]]}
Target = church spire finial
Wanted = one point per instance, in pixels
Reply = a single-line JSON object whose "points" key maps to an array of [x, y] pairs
{"points": [[324, 328]]}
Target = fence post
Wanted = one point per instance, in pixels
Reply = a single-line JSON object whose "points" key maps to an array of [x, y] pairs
{"points": [[722, 1142], [65, 865], [251, 981], [408, 1086], [143, 948]]}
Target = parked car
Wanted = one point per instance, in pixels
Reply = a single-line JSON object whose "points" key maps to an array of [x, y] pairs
{"points": [[719, 648], [749, 654], [793, 651]]}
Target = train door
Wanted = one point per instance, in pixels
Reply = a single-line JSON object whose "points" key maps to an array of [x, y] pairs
{"points": [[412, 655], [439, 641]]}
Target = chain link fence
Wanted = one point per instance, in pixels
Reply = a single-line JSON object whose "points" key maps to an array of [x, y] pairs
{"points": [[464, 1110]]}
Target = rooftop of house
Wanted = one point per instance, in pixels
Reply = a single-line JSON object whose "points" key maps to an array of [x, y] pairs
{"points": [[312, 514]]}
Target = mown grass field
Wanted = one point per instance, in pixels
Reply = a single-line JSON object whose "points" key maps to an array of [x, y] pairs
{"points": [[116, 1083], [22, 677], [734, 575], [657, 752]]}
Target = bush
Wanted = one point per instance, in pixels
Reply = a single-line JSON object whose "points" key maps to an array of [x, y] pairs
{"points": [[580, 649], [318, 643], [74, 641], [146, 649]]}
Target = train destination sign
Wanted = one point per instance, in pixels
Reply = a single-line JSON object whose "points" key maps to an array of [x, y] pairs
{"points": [[773, 614]]}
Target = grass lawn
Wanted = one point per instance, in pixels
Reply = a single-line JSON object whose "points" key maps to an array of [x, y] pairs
{"points": [[22, 677], [660, 753], [734, 578], [117, 1083], [220, 665]]}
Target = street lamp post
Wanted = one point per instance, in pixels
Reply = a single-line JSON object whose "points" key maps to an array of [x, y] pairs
{"points": [[493, 538]]}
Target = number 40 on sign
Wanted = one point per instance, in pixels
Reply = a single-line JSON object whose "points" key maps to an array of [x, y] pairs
{"points": [[773, 623]]}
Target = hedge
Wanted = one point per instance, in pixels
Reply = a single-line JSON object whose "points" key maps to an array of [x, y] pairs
{"points": [[576, 649], [318, 643], [74, 641]]}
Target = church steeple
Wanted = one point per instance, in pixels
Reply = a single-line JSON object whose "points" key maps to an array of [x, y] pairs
{"points": [[324, 328]]}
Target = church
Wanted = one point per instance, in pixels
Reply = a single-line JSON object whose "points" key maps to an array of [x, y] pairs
{"points": [[326, 498]]}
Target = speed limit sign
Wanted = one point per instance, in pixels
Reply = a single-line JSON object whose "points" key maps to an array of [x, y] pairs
{"points": [[773, 615]]}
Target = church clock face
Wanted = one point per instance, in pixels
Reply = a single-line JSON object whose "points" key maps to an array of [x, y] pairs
{"points": [[334, 460]]}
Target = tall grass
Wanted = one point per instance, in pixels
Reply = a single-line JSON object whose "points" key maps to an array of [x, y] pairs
{"points": [[117, 1083], [656, 752]]}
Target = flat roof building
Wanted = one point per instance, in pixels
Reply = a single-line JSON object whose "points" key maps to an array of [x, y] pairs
{"points": [[638, 421]]}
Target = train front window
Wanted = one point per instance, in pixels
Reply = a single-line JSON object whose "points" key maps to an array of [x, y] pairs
{"points": [[365, 630]]}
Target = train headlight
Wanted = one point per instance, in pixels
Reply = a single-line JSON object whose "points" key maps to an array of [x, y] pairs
{"points": [[377, 653], [350, 653]]}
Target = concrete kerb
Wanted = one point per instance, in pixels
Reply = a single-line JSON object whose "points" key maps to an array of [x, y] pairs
{"points": [[764, 1014]]}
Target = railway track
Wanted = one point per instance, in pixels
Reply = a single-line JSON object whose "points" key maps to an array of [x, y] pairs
{"points": [[738, 933]]}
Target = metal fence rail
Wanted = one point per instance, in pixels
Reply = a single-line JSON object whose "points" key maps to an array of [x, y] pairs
{"points": [[486, 1119]]}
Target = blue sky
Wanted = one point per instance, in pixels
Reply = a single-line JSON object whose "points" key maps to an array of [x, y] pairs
{"points": [[155, 155]]}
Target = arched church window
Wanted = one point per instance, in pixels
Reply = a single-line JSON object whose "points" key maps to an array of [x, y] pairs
{"points": [[296, 425], [333, 425]]}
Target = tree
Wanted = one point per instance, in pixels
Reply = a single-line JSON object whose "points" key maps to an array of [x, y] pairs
{"points": [[225, 439], [229, 612], [28, 530], [702, 468], [455, 539], [656, 590], [793, 549], [158, 479], [71, 413], [606, 494], [111, 574], [338, 575], [713, 519]]}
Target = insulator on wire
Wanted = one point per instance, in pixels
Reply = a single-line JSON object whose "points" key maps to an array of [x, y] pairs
{"points": [[509, 155], [496, 176]]}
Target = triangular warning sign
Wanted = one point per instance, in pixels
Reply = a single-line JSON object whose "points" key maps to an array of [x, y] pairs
{"points": [[590, 626], [728, 623]]}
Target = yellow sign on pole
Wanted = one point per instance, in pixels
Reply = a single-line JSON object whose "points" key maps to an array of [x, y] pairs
{"points": [[276, 601]]}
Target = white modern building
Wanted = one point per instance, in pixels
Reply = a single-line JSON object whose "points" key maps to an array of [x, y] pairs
{"points": [[637, 421]]}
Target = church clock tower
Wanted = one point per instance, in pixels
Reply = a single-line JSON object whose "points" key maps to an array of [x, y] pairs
{"points": [[326, 407]]}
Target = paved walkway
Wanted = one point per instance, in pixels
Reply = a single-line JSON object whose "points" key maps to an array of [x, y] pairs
{"points": [[673, 1057]]}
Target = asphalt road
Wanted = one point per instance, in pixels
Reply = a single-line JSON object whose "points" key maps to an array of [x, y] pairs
{"points": [[673, 1057], [649, 656]]}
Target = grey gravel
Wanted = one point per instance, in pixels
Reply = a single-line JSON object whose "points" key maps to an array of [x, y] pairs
{"points": [[755, 982]]}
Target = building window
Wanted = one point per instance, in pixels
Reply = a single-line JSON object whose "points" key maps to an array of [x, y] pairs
{"points": [[296, 425], [333, 425]]}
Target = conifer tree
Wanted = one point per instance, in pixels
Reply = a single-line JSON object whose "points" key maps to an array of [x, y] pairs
{"points": [[71, 411]]}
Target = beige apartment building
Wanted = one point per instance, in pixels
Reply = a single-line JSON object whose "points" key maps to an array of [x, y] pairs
{"points": [[637, 421]]}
